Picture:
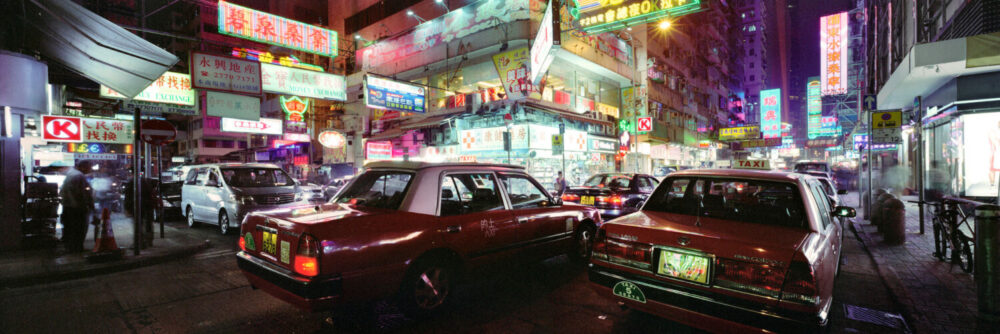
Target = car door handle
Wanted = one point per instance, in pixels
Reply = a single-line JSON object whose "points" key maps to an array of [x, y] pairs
{"points": [[453, 229], [522, 220]]}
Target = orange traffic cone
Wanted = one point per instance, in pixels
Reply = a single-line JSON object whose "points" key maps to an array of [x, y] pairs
{"points": [[105, 247]]}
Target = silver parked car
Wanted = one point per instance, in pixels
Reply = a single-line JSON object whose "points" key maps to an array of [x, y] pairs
{"points": [[224, 193]]}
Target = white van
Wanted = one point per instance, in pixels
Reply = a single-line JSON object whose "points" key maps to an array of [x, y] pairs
{"points": [[224, 193]]}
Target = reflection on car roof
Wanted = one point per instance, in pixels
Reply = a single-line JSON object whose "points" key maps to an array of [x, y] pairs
{"points": [[415, 165], [740, 173]]}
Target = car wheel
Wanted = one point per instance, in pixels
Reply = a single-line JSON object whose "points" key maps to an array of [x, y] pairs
{"points": [[583, 243], [427, 288], [223, 222], [190, 218]]}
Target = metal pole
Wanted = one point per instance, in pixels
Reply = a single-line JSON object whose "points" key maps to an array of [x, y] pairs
{"points": [[920, 164], [137, 183], [159, 175], [871, 164]]}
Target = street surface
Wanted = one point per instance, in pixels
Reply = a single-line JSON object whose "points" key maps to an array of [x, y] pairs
{"points": [[207, 294]]}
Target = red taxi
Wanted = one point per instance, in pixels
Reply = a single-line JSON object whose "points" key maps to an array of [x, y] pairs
{"points": [[726, 250], [409, 230]]}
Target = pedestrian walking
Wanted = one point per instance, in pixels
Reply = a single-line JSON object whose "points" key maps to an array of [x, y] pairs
{"points": [[560, 184], [77, 200]]}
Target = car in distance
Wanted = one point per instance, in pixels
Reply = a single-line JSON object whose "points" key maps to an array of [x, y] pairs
{"points": [[225, 193], [408, 229], [614, 194], [726, 250]]}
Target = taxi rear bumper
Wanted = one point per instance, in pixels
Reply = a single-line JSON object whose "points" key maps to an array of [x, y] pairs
{"points": [[702, 311], [306, 293]]}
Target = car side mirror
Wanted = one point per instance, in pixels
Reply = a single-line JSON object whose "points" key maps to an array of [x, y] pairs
{"points": [[841, 191], [844, 211]]}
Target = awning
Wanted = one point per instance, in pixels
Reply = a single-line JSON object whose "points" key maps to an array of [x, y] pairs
{"points": [[564, 114], [95, 47], [428, 122]]}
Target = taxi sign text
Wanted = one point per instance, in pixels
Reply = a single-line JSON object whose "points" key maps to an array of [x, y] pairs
{"points": [[752, 164]]}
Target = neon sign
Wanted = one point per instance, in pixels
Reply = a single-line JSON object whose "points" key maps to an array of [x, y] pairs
{"points": [[833, 61], [98, 148], [332, 139], [770, 113], [294, 108], [597, 16], [267, 57], [267, 28], [814, 107]]}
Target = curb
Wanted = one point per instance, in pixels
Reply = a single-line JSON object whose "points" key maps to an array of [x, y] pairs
{"points": [[890, 281], [103, 268]]}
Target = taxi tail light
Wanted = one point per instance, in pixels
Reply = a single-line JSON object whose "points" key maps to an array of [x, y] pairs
{"points": [[632, 254], [800, 284], [307, 257], [570, 198], [600, 248], [243, 244], [614, 200], [755, 278]]}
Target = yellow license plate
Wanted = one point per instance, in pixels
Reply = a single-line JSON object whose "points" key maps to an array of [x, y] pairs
{"points": [[684, 266], [270, 237], [587, 200]]}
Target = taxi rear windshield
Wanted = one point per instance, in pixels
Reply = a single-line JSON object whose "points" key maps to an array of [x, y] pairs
{"points": [[378, 189], [751, 201]]}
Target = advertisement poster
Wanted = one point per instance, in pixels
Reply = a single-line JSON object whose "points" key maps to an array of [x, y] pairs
{"points": [[982, 171], [232, 106], [393, 95], [292, 81], [225, 73], [171, 87], [634, 102], [512, 66]]}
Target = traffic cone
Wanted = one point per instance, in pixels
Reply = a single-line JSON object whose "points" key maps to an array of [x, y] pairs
{"points": [[105, 247]]}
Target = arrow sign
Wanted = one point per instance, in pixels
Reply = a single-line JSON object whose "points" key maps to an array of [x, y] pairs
{"points": [[870, 102]]}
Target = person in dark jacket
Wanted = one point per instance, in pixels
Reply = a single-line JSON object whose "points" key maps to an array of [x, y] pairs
{"points": [[77, 200]]}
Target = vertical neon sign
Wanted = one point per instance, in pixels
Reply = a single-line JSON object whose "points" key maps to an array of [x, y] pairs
{"points": [[770, 113]]}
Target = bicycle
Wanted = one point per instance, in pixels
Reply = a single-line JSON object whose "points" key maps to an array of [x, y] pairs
{"points": [[952, 231]]}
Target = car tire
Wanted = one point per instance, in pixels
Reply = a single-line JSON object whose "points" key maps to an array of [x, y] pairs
{"points": [[223, 222], [427, 288], [190, 218], [583, 243]]}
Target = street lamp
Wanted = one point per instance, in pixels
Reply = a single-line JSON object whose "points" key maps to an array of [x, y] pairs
{"points": [[664, 25], [441, 2], [410, 13]]}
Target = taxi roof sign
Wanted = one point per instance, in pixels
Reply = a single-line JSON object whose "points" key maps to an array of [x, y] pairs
{"points": [[752, 164]]}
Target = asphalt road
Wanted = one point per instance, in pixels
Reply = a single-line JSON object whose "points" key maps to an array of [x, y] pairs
{"points": [[207, 294]]}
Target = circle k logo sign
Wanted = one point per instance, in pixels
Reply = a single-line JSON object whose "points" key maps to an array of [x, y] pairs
{"points": [[62, 128]]}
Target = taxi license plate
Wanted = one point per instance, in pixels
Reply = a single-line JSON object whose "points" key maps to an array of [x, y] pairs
{"points": [[684, 266], [587, 200], [270, 237]]}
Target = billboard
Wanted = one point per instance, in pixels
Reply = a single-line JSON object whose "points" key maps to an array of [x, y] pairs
{"points": [[814, 108], [770, 113], [982, 171], [542, 48], [596, 16], [394, 95], [833, 53], [293, 81], [267, 28], [225, 73]]}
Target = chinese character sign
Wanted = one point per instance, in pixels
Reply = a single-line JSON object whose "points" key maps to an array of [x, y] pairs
{"points": [[814, 107], [113, 131], [512, 66], [602, 15], [833, 53], [292, 81], [225, 73], [171, 88], [770, 113], [232, 106], [267, 28], [394, 95]]}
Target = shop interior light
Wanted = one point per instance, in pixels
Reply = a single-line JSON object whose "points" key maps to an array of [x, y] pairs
{"points": [[664, 25]]}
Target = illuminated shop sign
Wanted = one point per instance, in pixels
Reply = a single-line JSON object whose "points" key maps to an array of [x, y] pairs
{"points": [[602, 15], [542, 49], [814, 108], [394, 95], [770, 113], [294, 107], [745, 144], [297, 137], [738, 133], [98, 148], [833, 58], [602, 145], [332, 139], [267, 28], [79, 129], [225, 73], [292, 81], [268, 126], [171, 87], [267, 57], [232, 106], [378, 150]]}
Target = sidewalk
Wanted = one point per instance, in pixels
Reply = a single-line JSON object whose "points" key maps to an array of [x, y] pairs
{"points": [[936, 296], [36, 266]]}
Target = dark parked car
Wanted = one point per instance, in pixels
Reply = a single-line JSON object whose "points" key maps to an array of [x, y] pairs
{"points": [[613, 194]]}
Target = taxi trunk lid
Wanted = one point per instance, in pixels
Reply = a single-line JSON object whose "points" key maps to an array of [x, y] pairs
{"points": [[752, 258]]}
